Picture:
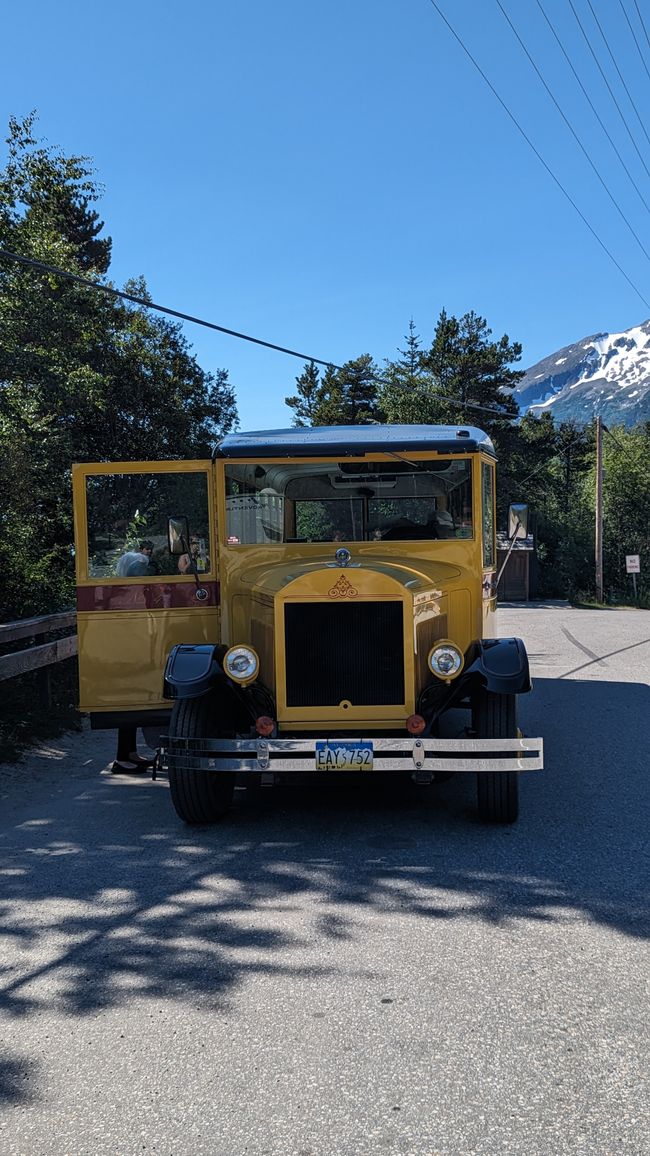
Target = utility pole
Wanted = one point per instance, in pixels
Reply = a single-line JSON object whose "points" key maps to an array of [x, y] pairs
{"points": [[599, 510]]}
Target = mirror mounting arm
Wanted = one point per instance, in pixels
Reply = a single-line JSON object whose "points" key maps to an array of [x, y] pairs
{"points": [[192, 566]]}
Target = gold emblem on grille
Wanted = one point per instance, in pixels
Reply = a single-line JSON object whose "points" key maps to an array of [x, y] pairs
{"points": [[343, 589]]}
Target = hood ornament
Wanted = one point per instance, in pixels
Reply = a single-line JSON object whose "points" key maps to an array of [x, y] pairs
{"points": [[343, 556]]}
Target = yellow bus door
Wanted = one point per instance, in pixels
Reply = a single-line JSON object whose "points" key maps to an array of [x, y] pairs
{"points": [[135, 600]]}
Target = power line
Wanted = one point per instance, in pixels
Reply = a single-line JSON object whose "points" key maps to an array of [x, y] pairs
{"points": [[538, 154], [97, 285], [620, 74], [631, 28], [456, 401], [573, 132], [609, 87], [619, 446], [32, 263], [590, 102], [638, 12]]}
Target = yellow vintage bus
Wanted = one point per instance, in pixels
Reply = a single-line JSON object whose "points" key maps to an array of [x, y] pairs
{"points": [[310, 600]]}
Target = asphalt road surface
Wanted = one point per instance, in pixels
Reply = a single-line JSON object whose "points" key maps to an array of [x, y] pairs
{"points": [[336, 971]]}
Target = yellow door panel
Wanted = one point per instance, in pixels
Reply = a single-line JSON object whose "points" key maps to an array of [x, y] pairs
{"points": [[123, 655], [135, 600]]}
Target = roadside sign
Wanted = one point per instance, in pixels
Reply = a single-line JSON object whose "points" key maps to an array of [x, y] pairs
{"points": [[633, 563]]}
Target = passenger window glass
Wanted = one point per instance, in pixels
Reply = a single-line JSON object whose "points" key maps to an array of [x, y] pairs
{"points": [[488, 515], [127, 523]]}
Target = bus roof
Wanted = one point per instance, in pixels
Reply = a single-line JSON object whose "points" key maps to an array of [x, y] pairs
{"points": [[352, 441]]}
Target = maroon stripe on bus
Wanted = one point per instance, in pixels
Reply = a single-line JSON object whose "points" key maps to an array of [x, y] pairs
{"points": [[146, 596]]}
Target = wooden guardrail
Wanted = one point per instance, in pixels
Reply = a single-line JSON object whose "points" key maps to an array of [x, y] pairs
{"points": [[37, 657]]}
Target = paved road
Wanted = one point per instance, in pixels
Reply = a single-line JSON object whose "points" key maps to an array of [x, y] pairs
{"points": [[334, 973]]}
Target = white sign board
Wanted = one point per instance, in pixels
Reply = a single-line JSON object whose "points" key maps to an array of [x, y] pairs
{"points": [[633, 563]]}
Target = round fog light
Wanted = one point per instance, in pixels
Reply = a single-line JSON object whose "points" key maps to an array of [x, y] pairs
{"points": [[241, 663], [445, 660]]}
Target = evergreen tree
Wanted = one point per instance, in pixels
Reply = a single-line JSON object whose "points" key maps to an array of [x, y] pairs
{"points": [[305, 401], [468, 365], [345, 396], [462, 369], [407, 390]]}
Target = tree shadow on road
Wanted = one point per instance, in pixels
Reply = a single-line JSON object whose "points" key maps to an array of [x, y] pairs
{"points": [[17, 1078], [115, 898]]}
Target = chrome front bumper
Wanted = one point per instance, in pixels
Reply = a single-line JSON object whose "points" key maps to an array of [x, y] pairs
{"points": [[402, 754]]}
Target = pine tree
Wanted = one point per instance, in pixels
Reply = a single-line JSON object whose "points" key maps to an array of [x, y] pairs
{"points": [[345, 396], [305, 401], [471, 368], [407, 389], [462, 369]]}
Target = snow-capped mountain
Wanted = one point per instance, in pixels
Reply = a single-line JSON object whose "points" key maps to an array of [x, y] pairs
{"points": [[607, 374]]}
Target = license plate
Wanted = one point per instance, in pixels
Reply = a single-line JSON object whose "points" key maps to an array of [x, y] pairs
{"points": [[343, 756]]}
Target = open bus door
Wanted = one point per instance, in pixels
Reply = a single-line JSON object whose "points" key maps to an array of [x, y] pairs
{"points": [[131, 611]]}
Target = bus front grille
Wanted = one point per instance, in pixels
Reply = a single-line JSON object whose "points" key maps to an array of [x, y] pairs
{"points": [[344, 651]]}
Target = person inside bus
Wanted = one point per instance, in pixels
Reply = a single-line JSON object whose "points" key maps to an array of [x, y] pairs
{"points": [[197, 555], [136, 563], [441, 520]]}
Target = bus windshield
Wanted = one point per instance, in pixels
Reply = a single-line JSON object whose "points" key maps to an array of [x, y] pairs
{"points": [[348, 501]]}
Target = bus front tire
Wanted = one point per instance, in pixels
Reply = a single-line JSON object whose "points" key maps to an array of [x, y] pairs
{"points": [[198, 796], [495, 717]]}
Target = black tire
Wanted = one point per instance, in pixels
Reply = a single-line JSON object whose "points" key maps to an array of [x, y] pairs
{"points": [[199, 796], [495, 717]]}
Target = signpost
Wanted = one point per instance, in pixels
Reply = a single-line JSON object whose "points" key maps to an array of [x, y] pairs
{"points": [[633, 567]]}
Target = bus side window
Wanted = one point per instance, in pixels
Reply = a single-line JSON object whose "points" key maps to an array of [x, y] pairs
{"points": [[127, 522], [487, 489]]}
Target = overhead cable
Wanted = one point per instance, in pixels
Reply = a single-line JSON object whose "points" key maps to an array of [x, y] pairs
{"points": [[53, 270], [573, 132], [539, 156], [638, 46], [609, 87], [591, 103], [619, 446], [639, 14], [135, 300], [620, 74]]}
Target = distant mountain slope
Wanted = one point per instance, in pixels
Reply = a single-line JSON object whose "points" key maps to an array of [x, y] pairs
{"points": [[607, 374]]}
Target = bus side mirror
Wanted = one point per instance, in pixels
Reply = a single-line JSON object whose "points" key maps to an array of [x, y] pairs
{"points": [[518, 512], [178, 535]]}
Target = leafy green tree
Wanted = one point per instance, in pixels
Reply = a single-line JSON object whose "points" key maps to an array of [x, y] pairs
{"points": [[83, 376], [626, 502]]}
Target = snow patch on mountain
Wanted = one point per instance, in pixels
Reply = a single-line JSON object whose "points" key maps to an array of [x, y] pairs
{"points": [[606, 374]]}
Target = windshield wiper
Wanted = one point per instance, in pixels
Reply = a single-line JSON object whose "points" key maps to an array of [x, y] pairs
{"points": [[401, 458]]}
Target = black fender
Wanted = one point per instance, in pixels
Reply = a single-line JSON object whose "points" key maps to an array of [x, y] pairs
{"points": [[501, 665], [191, 671]]}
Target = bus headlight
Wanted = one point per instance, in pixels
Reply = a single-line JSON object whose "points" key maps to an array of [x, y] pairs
{"points": [[445, 660], [241, 664]]}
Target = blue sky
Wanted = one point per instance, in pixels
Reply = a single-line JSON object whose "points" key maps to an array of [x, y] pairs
{"points": [[316, 174]]}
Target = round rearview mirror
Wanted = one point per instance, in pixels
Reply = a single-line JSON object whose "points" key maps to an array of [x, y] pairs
{"points": [[178, 535]]}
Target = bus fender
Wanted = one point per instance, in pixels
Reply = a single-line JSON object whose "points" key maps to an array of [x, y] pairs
{"points": [[191, 671], [501, 664]]}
